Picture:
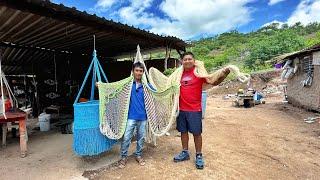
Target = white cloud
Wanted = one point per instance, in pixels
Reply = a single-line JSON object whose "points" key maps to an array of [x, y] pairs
{"points": [[188, 18], [104, 3], [102, 6], [273, 2], [307, 11], [274, 22]]}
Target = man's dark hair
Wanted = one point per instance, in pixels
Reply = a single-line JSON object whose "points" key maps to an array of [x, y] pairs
{"points": [[187, 53], [137, 65]]}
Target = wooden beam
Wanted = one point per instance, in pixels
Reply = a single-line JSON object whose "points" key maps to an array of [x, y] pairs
{"points": [[48, 32], [12, 45], [68, 41], [17, 25], [8, 21], [21, 55], [11, 53], [28, 27], [74, 33], [16, 54], [79, 41], [32, 57]]}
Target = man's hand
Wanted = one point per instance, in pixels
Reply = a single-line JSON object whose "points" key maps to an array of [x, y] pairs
{"points": [[226, 72], [97, 84]]}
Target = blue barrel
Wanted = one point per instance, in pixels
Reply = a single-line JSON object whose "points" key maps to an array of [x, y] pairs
{"points": [[204, 103]]}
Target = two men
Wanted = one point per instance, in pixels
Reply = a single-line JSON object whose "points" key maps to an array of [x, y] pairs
{"points": [[189, 119]]}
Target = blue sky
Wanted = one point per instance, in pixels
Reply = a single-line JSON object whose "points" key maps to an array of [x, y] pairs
{"points": [[193, 19]]}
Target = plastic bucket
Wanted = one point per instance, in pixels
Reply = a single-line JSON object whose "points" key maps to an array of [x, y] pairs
{"points": [[204, 103], [44, 122]]}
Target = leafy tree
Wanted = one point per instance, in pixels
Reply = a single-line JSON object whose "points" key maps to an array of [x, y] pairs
{"points": [[250, 51], [267, 47], [314, 40]]}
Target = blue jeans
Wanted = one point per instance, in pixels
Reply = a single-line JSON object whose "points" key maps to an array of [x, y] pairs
{"points": [[141, 131]]}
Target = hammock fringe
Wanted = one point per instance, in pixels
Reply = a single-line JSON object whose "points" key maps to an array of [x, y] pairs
{"points": [[91, 142]]}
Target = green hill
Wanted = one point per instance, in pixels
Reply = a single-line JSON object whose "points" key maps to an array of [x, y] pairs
{"points": [[250, 51]]}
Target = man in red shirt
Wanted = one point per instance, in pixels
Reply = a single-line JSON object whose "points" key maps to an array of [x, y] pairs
{"points": [[190, 114]]}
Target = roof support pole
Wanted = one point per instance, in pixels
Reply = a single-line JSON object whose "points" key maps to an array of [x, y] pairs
{"points": [[166, 59], [168, 53]]}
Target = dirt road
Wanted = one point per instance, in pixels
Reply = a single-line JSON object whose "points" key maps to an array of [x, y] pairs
{"points": [[268, 141]]}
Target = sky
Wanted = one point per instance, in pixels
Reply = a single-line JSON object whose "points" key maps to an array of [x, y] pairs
{"points": [[195, 19]]}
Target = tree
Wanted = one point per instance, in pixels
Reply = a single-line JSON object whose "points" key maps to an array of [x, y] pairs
{"points": [[314, 40], [267, 47]]}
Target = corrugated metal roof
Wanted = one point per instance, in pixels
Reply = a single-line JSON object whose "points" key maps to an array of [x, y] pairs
{"points": [[29, 29], [282, 58]]}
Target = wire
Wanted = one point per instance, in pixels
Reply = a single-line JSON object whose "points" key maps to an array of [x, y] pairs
{"points": [[55, 71]]}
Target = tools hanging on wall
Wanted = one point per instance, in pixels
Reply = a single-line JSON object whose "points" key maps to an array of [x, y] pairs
{"points": [[308, 69]]}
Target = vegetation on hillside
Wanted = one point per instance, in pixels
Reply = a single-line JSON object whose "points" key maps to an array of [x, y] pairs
{"points": [[252, 51]]}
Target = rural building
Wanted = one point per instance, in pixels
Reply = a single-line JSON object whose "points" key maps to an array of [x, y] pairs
{"points": [[303, 77]]}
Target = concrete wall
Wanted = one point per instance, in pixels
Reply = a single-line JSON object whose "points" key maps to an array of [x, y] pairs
{"points": [[306, 97]]}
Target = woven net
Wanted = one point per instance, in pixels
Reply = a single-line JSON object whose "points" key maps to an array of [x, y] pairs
{"points": [[161, 102], [114, 105]]}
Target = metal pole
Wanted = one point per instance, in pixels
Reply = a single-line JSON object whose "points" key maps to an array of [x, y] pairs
{"points": [[94, 42], [55, 71]]}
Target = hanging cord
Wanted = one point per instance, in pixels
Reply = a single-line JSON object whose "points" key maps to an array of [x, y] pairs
{"points": [[94, 42], [94, 67], [93, 70], [25, 90], [55, 71]]}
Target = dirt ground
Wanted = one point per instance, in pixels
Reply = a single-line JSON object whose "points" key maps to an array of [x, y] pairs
{"points": [[50, 157], [268, 141]]}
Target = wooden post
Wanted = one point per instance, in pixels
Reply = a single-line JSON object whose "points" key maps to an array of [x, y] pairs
{"points": [[180, 54], [4, 134], [166, 59], [23, 137], [168, 55], [175, 63]]}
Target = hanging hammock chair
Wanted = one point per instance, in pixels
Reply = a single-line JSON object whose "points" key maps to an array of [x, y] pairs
{"points": [[87, 138]]}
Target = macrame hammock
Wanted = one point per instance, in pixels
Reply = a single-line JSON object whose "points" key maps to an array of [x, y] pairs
{"points": [[161, 104]]}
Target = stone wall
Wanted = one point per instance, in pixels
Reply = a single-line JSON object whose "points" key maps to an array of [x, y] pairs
{"points": [[306, 97]]}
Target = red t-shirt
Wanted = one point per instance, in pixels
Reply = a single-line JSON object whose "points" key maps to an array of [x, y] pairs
{"points": [[190, 91]]}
